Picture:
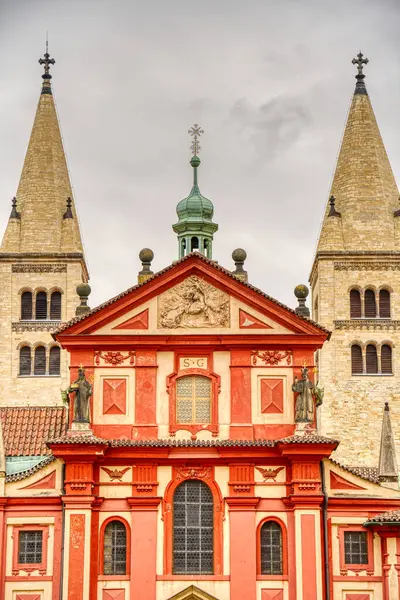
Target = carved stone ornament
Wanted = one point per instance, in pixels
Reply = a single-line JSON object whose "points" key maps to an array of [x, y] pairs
{"points": [[367, 266], [114, 359], [19, 326], [269, 473], [271, 358], [193, 473], [115, 474], [367, 325], [38, 268], [193, 303]]}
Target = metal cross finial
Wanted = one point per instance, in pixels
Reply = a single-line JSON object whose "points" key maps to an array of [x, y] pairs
{"points": [[360, 61], [196, 131], [47, 61]]}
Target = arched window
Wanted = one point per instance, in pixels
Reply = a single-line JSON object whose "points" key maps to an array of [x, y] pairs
{"points": [[193, 529], [194, 243], [384, 304], [54, 361], [41, 305], [25, 360], [55, 306], [193, 399], [183, 246], [371, 359], [356, 360], [114, 551], [40, 361], [26, 306], [355, 304], [369, 304], [386, 359], [271, 549]]}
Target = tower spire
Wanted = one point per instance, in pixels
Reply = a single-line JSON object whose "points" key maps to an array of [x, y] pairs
{"points": [[195, 228], [387, 470], [363, 186], [37, 223]]}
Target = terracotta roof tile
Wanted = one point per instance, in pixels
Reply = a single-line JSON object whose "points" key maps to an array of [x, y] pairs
{"points": [[307, 439], [367, 473], [26, 429], [165, 270], [391, 516]]}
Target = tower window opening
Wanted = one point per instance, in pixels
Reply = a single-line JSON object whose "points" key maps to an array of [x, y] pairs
{"points": [[54, 361], [384, 304], [40, 361], [194, 244], [26, 306], [371, 359], [183, 246], [41, 305], [386, 359], [356, 360], [55, 306], [355, 304], [370, 304], [25, 360]]}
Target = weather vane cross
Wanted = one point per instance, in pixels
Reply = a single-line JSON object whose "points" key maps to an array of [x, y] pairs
{"points": [[196, 131], [47, 61], [360, 61]]}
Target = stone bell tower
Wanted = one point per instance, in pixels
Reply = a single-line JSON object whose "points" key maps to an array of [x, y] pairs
{"points": [[355, 281], [41, 263]]}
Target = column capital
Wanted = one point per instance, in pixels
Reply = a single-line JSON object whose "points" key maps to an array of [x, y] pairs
{"points": [[145, 503], [79, 502]]}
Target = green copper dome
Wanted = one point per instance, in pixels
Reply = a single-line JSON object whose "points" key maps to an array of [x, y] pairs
{"points": [[195, 227]]}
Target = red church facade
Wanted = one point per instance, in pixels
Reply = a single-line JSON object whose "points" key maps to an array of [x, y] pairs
{"points": [[194, 478]]}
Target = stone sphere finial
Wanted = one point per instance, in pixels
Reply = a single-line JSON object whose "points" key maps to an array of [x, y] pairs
{"points": [[83, 290], [301, 291], [146, 255], [239, 255]]}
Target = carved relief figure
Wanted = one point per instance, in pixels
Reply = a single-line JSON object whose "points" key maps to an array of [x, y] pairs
{"points": [[82, 390], [193, 303], [305, 389]]}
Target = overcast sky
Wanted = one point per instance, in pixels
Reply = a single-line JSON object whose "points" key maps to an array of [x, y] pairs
{"points": [[269, 81]]}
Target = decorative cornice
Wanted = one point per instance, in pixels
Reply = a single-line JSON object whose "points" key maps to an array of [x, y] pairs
{"points": [[367, 266], [38, 268], [20, 326], [367, 324]]}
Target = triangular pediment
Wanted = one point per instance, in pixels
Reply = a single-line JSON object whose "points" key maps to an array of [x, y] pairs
{"points": [[193, 296], [192, 593]]}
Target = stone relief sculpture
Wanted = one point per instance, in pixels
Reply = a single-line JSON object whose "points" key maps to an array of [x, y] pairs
{"points": [[82, 390], [193, 303]]}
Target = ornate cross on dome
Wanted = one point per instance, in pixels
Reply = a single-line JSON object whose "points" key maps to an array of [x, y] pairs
{"points": [[196, 131], [47, 61], [360, 61]]}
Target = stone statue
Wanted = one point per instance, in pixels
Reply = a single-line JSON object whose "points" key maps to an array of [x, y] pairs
{"points": [[82, 390], [305, 407]]}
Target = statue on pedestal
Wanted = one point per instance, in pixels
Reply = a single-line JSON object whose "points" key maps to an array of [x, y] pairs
{"points": [[82, 390], [309, 396]]}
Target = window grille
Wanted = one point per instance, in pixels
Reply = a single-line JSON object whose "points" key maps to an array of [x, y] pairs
{"points": [[386, 359], [355, 548], [26, 306], [55, 306], [25, 361], [384, 304], [40, 361], [370, 304], [193, 399], [115, 549], [54, 362], [30, 547], [271, 549], [371, 359], [355, 304], [356, 360], [41, 305], [193, 529]]}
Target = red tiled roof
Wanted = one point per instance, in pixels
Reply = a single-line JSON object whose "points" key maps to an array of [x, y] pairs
{"points": [[200, 256], [28, 472], [391, 516], [25, 430], [367, 473]]}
